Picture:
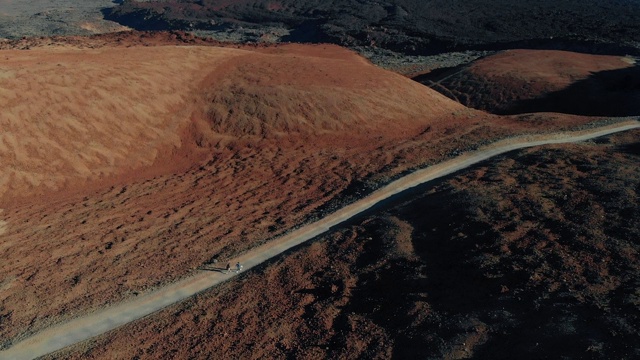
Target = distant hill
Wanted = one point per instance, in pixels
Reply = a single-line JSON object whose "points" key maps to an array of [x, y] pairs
{"points": [[408, 26], [525, 81]]}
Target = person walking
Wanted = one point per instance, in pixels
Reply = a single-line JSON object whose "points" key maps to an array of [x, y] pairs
{"points": [[228, 268], [238, 267]]}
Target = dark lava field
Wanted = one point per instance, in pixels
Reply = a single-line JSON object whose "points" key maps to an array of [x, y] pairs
{"points": [[406, 26]]}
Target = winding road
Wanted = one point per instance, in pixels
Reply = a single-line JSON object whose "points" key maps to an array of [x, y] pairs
{"points": [[99, 322]]}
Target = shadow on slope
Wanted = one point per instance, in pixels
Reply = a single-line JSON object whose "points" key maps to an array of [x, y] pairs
{"points": [[605, 93], [507, 89], [517, 267], [511, 270]]}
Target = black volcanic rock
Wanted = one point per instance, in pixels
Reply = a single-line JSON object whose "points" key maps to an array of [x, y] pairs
{"points": [[409, 26]]}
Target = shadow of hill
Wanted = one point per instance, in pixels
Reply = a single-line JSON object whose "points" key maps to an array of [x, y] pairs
{"points": [[480, 265], [605, 93]]}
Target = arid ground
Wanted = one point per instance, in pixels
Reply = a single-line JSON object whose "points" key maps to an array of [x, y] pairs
{"points": [[132, 160], [534, 255]]}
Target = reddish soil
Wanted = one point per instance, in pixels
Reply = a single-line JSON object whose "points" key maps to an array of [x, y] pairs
{"points": [[532, 255], [143, 160], [524, 81]]}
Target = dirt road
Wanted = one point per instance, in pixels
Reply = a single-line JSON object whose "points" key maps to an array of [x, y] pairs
{"points": [[83, 328]]}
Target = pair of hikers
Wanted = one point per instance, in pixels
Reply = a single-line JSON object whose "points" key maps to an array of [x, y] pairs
{"points": [[238, 267]]}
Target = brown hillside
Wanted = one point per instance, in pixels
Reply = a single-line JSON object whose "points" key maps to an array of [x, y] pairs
{"points": [[520, 81], [131, 172], [291, 91], [72, 115], [129, 164]]}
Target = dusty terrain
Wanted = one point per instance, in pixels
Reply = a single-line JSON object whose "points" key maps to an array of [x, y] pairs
{"points": [[533, 254], [524, 81], [110, 318], [131, 160], [138, 164]]}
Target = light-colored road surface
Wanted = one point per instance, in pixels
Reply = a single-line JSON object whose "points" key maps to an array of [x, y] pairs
{"points": [[83, 328]]}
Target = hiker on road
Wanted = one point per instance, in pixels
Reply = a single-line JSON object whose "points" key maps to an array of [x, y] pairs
{"points": [[228, 267], [238, 267]]}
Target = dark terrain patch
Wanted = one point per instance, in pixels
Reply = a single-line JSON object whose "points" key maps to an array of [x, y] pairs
{"points": [[407, 26], [605, 93]]}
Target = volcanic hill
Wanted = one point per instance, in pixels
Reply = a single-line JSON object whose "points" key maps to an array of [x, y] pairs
{"points": [[525, 81], [131, 160]]}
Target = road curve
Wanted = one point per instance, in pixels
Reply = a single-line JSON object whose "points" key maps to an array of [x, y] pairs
{"points": [[99, 322]]}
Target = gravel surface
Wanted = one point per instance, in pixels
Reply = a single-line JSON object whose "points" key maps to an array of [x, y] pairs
{"points": [[54, 17]]}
